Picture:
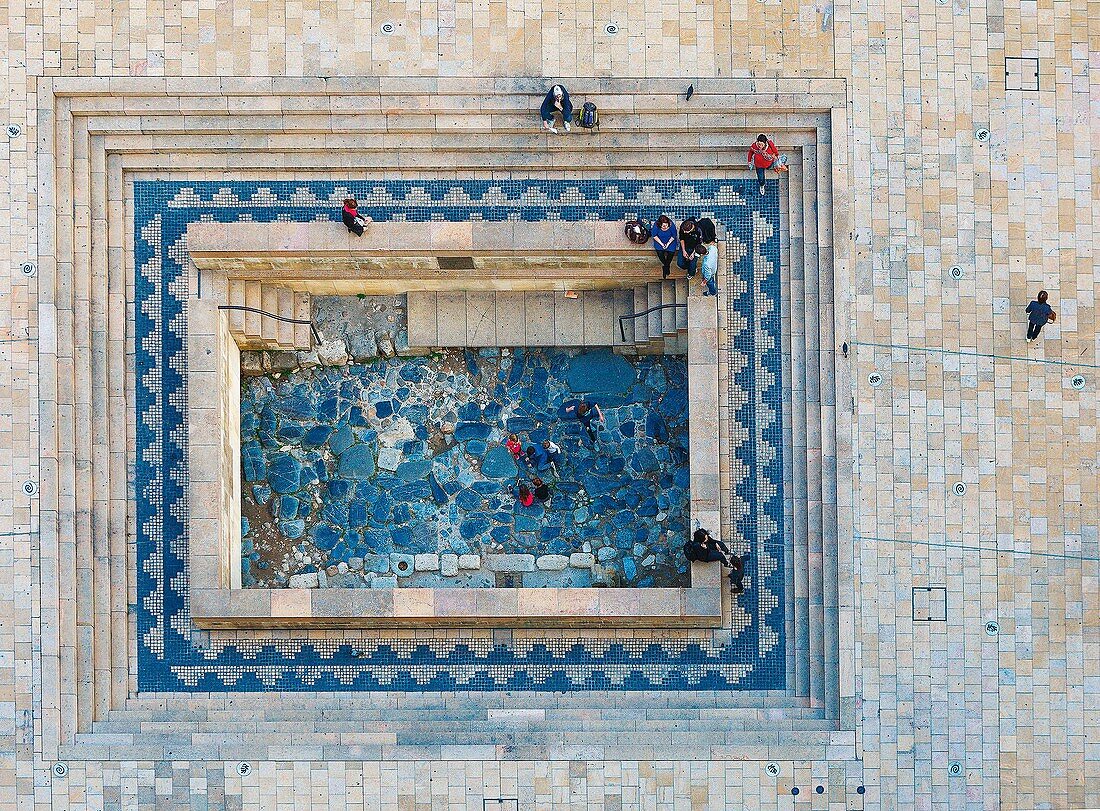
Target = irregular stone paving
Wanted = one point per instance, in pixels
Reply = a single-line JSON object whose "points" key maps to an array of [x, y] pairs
{"points": [[357, 469]]}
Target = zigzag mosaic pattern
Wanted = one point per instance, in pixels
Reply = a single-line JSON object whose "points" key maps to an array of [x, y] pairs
{"points": [[172, 658]]}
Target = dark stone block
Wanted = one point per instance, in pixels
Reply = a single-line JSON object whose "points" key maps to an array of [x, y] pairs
{"points": [[338, 488], [317, 435], [285, 473], [383, 409], [600, 372], [297, 407], [341, 440], [470, 412], [499, 464], [252, 462], [471, 430], [469, 499], [357, 463]]}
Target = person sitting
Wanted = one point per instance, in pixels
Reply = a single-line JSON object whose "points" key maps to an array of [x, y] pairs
{"points": [[704, 548], [542, 490], [356, 223], [514, 446], [537, 457], [556, 101], [524, 495]]}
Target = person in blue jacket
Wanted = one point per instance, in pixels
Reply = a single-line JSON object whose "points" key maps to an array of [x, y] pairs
{"points": [[556, 101], [665, 243]]}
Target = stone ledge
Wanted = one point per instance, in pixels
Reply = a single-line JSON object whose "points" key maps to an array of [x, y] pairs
{"points": [[699, 605]]}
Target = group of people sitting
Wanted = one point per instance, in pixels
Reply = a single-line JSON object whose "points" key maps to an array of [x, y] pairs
{"points": [[694, 241], [704, 548]]}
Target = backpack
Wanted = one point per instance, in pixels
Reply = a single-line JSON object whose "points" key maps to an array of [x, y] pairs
{"points": [[637, 232], [589, 117]]}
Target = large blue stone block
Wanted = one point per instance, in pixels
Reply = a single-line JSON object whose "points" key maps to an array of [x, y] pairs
{"points": [[499, 464], [357, 463]]}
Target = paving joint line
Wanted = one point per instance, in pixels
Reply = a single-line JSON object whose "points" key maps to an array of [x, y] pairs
{"points": [[977, 548], [975, 354]]}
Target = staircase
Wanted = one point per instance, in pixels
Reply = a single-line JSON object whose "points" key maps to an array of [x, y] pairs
{"points": [[253, 330], [484, 318]]}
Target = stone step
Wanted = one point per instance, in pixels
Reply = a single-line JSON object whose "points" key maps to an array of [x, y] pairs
{"points": [[795, 401], [451, 318], [422, 314], [538, 310], [814, 533], [253, 297], [511, 319], [236, 297], [681, 286], [568, 319], [656, 323], [303, 335], [442, 730], [286, 310], [481, 318], [269, 327], [668, 315], [600, 318], [641, 325], [166, 706], [623, 305]]}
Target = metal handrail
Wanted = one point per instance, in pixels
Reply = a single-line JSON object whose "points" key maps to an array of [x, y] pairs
{"points": [[312, 329], [622, 318]]}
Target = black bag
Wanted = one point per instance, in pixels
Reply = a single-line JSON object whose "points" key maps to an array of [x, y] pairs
{"points": [[637, 232], [589, 117]]}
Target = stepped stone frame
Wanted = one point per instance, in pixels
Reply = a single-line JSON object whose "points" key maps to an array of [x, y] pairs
{"points": [[315, 253], [98, 134]]}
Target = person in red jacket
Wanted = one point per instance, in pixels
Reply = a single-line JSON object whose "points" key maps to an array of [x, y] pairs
{"points": [[762, 155]]}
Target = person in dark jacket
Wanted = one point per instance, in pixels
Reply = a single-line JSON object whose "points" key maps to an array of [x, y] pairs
{"points": [[1038, 314], [542, 490], [355, 222], [704, 548], [707, 230], [690, 240], [737, 572], [556, 101]]}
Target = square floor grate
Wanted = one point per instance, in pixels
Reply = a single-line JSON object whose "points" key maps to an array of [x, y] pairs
{"points": [[1021, 73], [930, 603]]}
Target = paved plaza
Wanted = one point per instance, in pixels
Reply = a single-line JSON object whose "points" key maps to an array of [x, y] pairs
{"points": [[260, 540]]}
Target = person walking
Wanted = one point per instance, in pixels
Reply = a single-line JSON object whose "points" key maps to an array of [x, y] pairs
{"points": [[556, 101], [553, 455], [763, 155], [690, 240], [356, 223], [587, 413], [710, 269], [665, 243], [737, 572], [1038, 314]]}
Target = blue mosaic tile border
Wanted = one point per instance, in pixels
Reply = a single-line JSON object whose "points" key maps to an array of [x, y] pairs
{"points": [[173, 657]]}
